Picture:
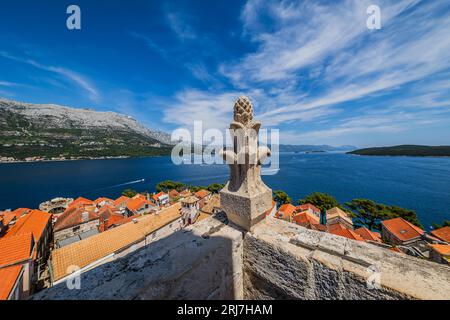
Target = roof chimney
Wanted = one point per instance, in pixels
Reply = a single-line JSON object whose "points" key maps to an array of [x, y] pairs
{"points": [[85, 216]]}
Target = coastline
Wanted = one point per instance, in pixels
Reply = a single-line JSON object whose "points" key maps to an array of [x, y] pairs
{"points": [[395, 155], [61, 160]]}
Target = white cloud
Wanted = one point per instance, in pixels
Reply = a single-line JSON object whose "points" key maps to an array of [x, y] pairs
{"points": [[314, 62], [73, 76], [180, 27]]}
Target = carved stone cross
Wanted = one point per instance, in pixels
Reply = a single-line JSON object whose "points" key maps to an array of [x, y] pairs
{"points": [[245, 198]]}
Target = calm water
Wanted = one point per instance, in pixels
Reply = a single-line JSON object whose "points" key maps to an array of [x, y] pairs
{"points": [[421, 184]]}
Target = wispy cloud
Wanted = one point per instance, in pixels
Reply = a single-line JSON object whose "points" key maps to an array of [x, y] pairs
{"points": [[8, 84], [65, 73], [178, 24], [151, 44], [194, 105], [316, 62]]}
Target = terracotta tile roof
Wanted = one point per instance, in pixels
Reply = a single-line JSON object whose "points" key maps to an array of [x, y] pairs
{"points": [[34, 222], [110, 214], [307, 206], [16, 248], [402, 229], [202, 193], [120, 200], [344, 232], [19, 212], [285, 212], [136, 204], [173, 194], [73, 216], [102, 199], [305, 219], [366, 234], [9, 278], [158, 195], [335, 227], [8, 217], [80, 201], [87, 251], [126, 220], [113, 220], [442, 233], [442, 249], [139, 196]]}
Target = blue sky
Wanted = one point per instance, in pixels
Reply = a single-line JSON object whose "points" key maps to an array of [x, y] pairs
{"points": [[312, 68]]}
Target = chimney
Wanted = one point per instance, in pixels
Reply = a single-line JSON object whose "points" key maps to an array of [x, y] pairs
{"points": [[323, 217], [85, 216]]}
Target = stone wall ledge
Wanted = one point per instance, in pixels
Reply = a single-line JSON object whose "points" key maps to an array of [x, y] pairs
{"points": [[297, 263], [202, 261]]}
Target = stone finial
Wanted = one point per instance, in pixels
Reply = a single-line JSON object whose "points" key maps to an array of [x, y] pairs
{"points": [[245, 198], [243, 110]]}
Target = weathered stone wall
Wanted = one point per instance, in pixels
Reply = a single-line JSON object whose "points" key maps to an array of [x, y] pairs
{"points": [[286, 261], [203, 261]]}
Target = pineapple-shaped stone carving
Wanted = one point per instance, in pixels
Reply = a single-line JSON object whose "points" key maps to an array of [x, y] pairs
{"points": [[245, 197], [243, 111]]}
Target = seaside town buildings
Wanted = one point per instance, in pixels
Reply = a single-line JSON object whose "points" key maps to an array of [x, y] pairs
{"points": [[24, 248], [37, 247], [396, 234]]}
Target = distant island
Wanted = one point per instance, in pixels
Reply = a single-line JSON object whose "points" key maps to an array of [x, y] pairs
{"points": [[405, 150]]}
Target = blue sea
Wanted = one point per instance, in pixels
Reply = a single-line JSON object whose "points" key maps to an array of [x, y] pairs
{"points": [[420, 184]]}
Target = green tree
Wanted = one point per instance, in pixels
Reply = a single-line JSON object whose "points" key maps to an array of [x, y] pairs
{"points": [[322, 201], [438, 226], [129, 193], [369, 213], [196, 188], [366, 212], [281, 197], [215, 187], [168, 185]]}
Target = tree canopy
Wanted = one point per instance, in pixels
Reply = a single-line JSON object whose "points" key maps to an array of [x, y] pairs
{"points": [[169, 185], [369, 213], [215, 187], [130, 193], [366, 212], [322, 201], [446, 223], [281, 197]]}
